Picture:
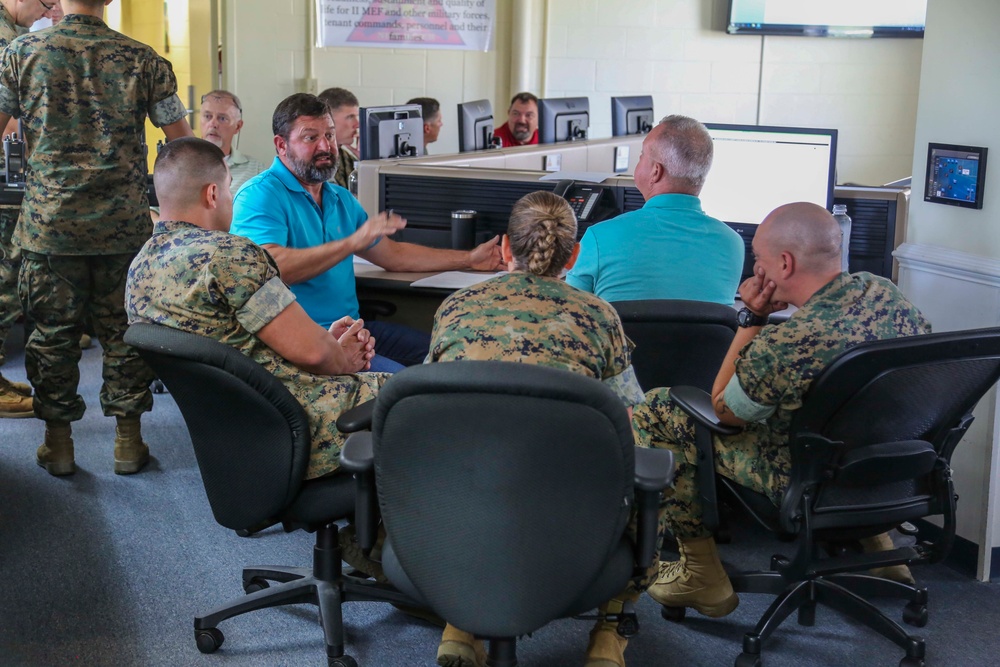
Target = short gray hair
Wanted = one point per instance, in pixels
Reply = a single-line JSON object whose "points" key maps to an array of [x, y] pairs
{"points": [[685, 149]]}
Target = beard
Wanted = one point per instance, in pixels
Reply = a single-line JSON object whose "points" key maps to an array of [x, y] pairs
{"points": [[308, 172], [522, 132]]}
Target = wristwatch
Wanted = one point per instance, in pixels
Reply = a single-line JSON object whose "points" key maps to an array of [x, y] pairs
{"points": [[747, 318]]}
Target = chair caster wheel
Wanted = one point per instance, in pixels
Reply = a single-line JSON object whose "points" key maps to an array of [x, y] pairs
{"points": [[915, 614], [342, 661], [748, 660], [675, 614], [158, 387], [209, 639], [911, 662], [255, 584]]}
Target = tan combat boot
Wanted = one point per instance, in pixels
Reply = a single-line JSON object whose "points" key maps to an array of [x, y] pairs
{"points": [[607, 647], [883, 542], [460, 649], [15, 399], [697, 580], [56, 453], [131, 453]]}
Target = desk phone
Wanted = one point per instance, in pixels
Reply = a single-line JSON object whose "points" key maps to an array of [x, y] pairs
{"points": [[590, 202]]}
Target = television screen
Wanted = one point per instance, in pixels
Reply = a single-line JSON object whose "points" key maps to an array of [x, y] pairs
{"points": [[391, 132], [758, 168], [956, 175], [822, 18], [631, 115], [563, 119], [475, 126]]}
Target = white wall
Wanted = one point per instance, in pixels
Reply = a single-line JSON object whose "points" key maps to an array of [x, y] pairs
{"points": [[954, 272], [672, 49], [676, 51]]}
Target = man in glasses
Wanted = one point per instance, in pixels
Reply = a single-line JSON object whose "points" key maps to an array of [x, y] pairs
{"points": [[82, 92], [221, 119], [15, 397]]}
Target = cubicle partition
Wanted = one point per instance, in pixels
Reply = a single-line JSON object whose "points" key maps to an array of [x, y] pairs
{"points": [[426, 190]]}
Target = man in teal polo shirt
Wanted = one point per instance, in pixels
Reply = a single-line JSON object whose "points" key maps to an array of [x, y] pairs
{"points": [[312, 228], [668, 249]]}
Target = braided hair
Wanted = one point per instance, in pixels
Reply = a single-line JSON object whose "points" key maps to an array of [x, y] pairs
{"points": [[542, 233]]}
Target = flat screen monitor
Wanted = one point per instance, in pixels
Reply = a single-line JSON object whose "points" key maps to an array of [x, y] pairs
{"points": [[841, 18], [956, 175], [631, 115], [563, 119], [475, 126], [391, 132], [758, 168]]}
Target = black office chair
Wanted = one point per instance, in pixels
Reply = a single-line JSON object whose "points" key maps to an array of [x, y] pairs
{"points": [[870, 449], [251, 439], [677, 342], [505, 490]]}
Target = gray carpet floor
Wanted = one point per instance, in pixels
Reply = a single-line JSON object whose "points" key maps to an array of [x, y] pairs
{"points": [[100, 569]]}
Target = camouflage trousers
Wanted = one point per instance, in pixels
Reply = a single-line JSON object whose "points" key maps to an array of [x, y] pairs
{"points": [[747, 459], [10, 263], [58, 292]]}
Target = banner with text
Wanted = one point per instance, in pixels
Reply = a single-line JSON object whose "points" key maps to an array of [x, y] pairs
{"points": [[407, 24]]}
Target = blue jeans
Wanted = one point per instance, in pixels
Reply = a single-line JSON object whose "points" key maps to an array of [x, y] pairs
{"points": [[397, 345]]}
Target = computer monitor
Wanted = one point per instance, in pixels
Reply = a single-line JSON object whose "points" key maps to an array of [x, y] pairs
{"points": [[390, 132], [563, 119], [475, 126], [757, 169], [631, 115]]}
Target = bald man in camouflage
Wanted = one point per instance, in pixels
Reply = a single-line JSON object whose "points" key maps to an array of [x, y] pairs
{"points": [[83, 93], [763, 378]]}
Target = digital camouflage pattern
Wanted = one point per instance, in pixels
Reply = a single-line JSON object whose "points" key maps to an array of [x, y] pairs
{"points": [[83, 92], [10, 255], [345, 165], [58, 291], [533, 319], [227, 288], [776, 368]]}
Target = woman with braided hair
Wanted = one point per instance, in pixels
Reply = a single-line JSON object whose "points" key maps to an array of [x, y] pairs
{"points": [[530, 315]]}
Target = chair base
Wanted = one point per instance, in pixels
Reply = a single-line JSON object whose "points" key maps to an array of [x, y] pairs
{"points": [[840, 592], [502, 652], [324, 585]]}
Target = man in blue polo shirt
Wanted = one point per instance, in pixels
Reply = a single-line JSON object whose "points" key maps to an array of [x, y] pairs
{"points": [[312, 228], [668, 249]]}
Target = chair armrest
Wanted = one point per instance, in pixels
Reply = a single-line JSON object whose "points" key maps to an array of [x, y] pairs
{"points": [[654, 471], [698, 403], [357, 457], [358, 418]]}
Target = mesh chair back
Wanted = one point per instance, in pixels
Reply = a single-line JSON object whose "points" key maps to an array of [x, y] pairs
{"points": [[504, 488], [251, 437], [900, 403], [677, 342]]}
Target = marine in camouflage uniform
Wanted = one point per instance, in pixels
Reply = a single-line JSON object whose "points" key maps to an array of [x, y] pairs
{"points": [[540, 320], [15, 398], [227, 288], [774, 371], [345, 165], [83, 92]]}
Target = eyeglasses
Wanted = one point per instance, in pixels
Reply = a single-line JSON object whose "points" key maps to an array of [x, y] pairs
{"points": [[48, 7]]}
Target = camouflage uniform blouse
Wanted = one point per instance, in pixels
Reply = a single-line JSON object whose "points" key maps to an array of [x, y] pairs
{"points": [[536, 320], [83, 92], [227, 288]]}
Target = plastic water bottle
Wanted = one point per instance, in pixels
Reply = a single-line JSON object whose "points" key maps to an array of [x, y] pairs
{"points": [[352, 183], [844, 220]]}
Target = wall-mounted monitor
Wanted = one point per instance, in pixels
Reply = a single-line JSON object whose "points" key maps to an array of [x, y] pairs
{"points": [[884, 18], [391, 132], [475, 126], [631, 115], [563, 119], [956, 175]]}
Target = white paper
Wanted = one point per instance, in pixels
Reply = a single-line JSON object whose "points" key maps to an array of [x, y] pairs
{"points": [[582, 176], [453, 279]]}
